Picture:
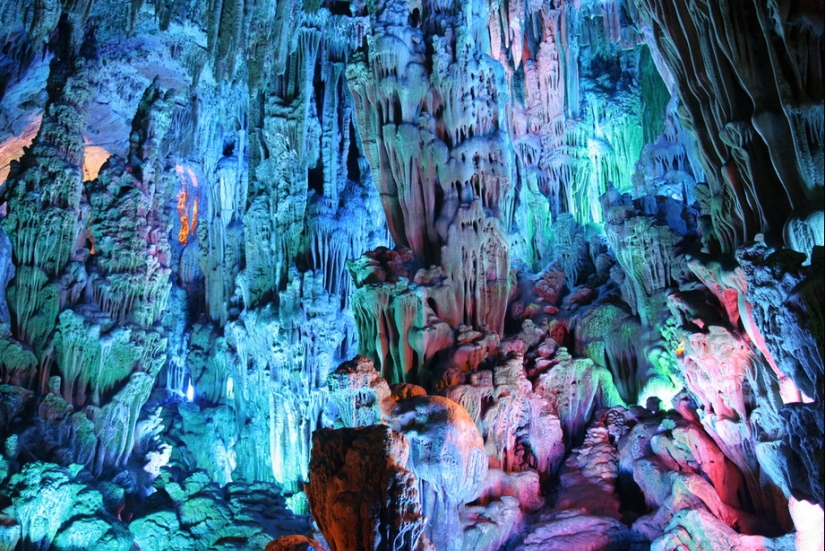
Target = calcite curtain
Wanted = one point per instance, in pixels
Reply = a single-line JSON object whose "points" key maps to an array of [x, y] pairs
{"points": [[442, 274]]}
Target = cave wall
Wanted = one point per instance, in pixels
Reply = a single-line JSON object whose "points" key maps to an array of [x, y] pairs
{"points": [[575, 246]]}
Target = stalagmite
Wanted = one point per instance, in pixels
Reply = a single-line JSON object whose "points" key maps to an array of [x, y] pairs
{"points": [[44, 193], [348, 458]]}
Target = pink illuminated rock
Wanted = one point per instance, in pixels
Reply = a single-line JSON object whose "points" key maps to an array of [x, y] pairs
{"points": [[520, 427], [529, 336], [690, 492], [578, 297], [472, 348], [715, 365], [520, 432], [808, 518], [573, 530], [523, 485], [380, 266], [686, 447], [471, 396], [726, 377], [550, 284], [586, 513], [587, 481], [758, 295]]}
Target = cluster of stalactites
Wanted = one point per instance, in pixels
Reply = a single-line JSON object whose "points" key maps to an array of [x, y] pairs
{"points": [[289, 202], [283, 357], [576, 122], [128, 286], [437, 143], [761, 139], [434, 135], [91, 261], [45, 220], [66, 321]]}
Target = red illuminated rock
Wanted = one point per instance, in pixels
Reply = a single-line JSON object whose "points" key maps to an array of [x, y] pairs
{"points": [[294, 543]]}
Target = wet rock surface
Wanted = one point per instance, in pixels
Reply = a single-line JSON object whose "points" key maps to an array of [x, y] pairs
{"points": [[444, 275]]}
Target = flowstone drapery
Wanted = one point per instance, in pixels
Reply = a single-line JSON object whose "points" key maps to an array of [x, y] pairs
{"points": [[760, 141], [440, 155], [566, 257]]}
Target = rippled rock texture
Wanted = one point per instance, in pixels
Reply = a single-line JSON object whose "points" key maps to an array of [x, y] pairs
{"points": [[444, 275]]}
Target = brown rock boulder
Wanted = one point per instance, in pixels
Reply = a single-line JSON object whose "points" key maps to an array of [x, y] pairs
{"points": [[294, 543], [360, 492]]}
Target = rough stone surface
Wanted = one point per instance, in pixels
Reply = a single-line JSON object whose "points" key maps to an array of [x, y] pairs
{"points": [[353, 472], [559, 264]]}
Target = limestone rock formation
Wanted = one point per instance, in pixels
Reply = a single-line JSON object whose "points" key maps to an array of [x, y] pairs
{"points": [[586, 514], [360, 491], [754, 139], [446, 455], [575, 389], [5, 276], [444, 274], [293, 543]]}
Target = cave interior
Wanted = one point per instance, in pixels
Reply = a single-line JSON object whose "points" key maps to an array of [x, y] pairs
{"points": [[411, 275]]}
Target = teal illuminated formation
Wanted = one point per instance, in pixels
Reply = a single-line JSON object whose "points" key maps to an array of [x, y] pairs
{"points": [[431, 275]]}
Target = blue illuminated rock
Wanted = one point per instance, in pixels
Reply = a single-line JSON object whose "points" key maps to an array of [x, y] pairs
{"points": [[566, 256]]}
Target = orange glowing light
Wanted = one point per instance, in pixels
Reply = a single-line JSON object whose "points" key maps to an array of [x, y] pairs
{"points": [[93, 158], [183, 234], [187, 203], [680, 350], [194, 217], [91, 238]]}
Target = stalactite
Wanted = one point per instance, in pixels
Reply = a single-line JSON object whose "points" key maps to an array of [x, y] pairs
{"points": [[644, 248], [391, 320], [757, 116], [564, 219], [45, 211], [443, 160]]}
